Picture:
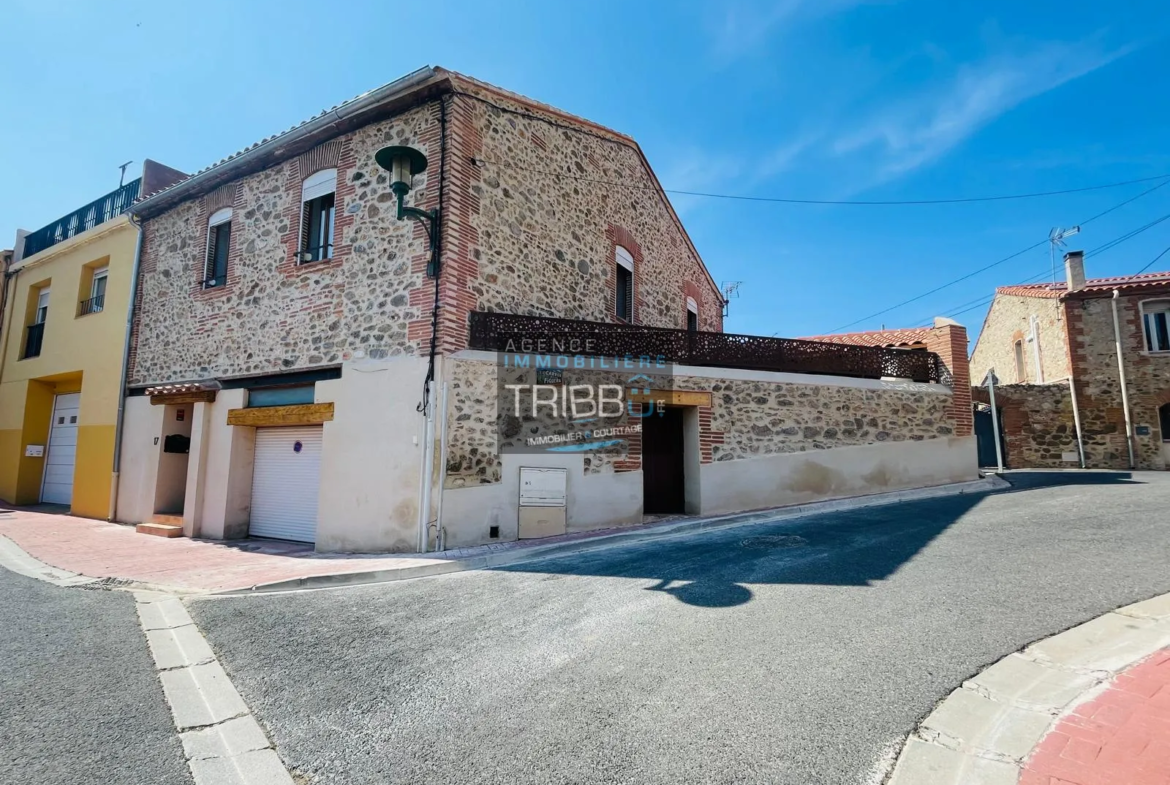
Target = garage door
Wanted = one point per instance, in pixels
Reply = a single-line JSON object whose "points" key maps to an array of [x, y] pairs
{"points": [[57, 487], [285, 483]]}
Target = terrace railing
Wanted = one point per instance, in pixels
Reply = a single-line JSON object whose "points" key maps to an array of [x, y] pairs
{"points": [[505, 332], [82, 219]]}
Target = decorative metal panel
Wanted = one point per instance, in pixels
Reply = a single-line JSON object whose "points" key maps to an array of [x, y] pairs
{"points": [[506, 332]]}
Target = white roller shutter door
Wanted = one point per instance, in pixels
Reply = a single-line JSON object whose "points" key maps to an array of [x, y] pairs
{"points": [[57, 484], [285, 483]]}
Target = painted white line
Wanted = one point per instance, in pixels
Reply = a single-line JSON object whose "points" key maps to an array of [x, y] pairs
{"points": [[983, 732], [223, 743]]}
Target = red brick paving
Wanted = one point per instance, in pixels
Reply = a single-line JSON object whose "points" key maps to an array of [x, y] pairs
{"points": [[1120, 737], [111, 550]]}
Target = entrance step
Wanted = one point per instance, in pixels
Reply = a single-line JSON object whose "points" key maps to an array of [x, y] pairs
{"points": [[169, 520], [160, 529]]}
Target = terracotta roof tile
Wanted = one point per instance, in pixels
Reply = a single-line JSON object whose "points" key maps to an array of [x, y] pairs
{"points": [[903, 337], [1050, 290]]}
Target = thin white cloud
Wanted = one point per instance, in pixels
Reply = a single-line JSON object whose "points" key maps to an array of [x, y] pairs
{"points": [[745, 26], [924, 126]]}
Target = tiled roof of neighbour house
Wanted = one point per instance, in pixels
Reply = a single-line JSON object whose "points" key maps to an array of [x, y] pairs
{"points": [[910, 336], [1094, 286]]}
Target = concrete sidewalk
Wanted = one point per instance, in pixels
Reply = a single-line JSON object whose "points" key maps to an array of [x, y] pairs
{"points": [[1088, 706], [113, 551]]}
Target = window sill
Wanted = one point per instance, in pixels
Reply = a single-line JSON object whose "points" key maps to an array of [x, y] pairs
{"points": [[91, 313], [1159, 353]]}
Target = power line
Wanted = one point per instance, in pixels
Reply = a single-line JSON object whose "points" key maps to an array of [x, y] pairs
{"points": [[1149, 264], [1103, 248], [996, 263], [843, 202]]}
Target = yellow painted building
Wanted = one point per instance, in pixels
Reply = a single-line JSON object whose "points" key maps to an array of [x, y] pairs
{"points": [[62, 342]]}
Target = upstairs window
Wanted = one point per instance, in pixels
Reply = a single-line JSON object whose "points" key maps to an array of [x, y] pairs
{"points": [[95, 302], [692, 315], [35, 333], [317, 203], [624, 299], [1021, 374], [219, 240], [1156, 323]]}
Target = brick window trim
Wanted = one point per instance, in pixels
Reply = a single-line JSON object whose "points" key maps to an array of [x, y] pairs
{"points": [[692, 291], [617, 235], [228, 196]]}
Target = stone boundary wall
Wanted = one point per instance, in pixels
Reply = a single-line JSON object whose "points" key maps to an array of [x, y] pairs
{"points": [[752, 414], [1037, 424]]}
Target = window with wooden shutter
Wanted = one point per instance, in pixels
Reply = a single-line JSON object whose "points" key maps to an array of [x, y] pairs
{"points": [[219, 240], [624, 295], [317, 214]]}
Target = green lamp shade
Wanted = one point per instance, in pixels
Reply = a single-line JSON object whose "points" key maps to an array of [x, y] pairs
{"points": [[401, 162]]}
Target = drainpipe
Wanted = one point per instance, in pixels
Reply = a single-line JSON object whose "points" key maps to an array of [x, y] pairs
{"points": [[426, 473], [1072, 388], [440, 532], [11, 308], [1121, 374], [115, 475]]}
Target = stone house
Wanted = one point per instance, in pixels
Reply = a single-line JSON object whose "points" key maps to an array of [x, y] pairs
{"points": [[307, 365], [1085, 370]]}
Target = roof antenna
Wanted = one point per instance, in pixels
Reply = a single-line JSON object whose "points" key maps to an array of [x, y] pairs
{"points": [[730, 292], [1056, 237], [122, 179]]}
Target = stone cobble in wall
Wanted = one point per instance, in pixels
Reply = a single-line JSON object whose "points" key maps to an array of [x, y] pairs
{"points": [[749, 418]]}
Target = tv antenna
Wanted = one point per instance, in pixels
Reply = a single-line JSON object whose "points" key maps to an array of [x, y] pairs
{"points": [[122, 178], [730, 292], [1056, 238]]}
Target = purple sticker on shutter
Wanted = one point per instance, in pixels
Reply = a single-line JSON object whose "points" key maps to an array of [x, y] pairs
{"points": [[297, 447]]}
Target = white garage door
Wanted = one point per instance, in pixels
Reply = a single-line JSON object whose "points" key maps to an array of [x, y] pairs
{"points": [[285, 483], [57, 487]]}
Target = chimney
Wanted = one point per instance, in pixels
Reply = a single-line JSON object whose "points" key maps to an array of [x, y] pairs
{"points": [[1074, 270]]}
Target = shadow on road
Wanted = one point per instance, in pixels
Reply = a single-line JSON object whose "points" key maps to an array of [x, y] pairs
{"points": [[849, 548]]}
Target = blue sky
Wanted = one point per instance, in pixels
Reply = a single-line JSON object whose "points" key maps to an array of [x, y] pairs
{"points": [[819, 99]]}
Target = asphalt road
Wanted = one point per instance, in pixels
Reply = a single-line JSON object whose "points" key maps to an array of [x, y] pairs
{"points": [[797, 652], [79, 699]]}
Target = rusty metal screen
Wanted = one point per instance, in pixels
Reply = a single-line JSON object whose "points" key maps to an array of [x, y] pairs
{"points": [[503, 332]]}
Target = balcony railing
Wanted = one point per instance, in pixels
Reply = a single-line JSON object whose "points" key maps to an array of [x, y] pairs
{"points": [[83, 219], [32, 340], [494, 331], [92, 305]]}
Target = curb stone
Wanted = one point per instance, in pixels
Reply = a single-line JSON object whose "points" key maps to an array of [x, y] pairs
{"points": [[222, 742], [629, 537], [984, 731]]}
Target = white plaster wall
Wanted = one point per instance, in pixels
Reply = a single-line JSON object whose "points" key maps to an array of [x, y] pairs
{"points": [[594, 501], [138, 473], [171, 484], [371, 454], [227, 473], [796, 478]]}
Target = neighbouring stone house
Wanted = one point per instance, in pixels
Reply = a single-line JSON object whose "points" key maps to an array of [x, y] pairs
{"points": [[297, 370], [1054, 349]]}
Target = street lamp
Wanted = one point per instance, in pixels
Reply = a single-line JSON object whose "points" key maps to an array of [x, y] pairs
{"points": [[403, 163]]}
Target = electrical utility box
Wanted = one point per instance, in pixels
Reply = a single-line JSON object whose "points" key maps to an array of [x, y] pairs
{"points": [[543, 502]]}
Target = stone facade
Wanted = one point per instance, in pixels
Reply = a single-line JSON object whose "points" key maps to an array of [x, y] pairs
{"points": [[273, 314], [1010, 320], [1094, 355], [748, 418], [1084, 322], [1037, 424], [524, 231]]}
